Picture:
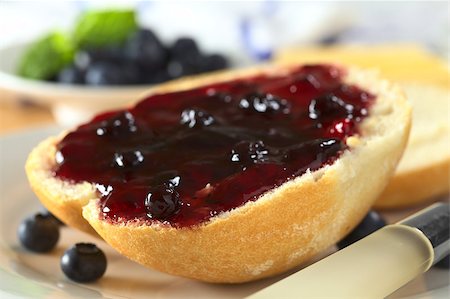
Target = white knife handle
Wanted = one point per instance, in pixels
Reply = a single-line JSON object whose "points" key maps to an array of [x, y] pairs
{"points": [[373, 267]]}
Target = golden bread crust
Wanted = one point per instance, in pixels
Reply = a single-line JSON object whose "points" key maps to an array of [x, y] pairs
{"points": [[283, 228], [416, 187]]}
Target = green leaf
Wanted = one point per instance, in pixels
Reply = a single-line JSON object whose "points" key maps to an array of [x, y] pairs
{"points": [[97, 29], [46, 57]]}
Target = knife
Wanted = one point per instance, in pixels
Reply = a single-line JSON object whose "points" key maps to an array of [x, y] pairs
{"points": [[375, 266]]}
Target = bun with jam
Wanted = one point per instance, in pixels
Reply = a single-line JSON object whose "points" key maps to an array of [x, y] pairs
{"points": [[229, 177]]}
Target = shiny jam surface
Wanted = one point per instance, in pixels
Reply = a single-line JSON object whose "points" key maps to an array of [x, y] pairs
{"points": [[181, 158]]}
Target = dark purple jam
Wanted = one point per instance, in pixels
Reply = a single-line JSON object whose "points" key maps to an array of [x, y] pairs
{"points": [[184, 157]]}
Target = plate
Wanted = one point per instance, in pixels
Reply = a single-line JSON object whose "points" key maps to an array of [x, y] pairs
{"points": [[29, 275]]}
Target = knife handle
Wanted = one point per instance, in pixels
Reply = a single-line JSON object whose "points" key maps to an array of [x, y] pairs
{"points": [[375, 266], [434, 223]]}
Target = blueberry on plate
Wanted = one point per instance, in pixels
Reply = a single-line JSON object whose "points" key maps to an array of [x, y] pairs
{"points": [[144, 48], [38, 233], [71, 75], [444, 263], [372, 222], [104, 73], [83, 262]]}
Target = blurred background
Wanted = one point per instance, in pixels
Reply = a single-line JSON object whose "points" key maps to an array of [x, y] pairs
{"points": [[249, 28], [236, 33]]}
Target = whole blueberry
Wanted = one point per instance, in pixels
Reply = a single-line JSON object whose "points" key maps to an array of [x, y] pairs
{"points": [[162, 202], [213, 62], [329, 104], [103, 73], [128, 159], [178, 68], [185, 49], [196, 118], [131, 73], [248, 152], [264, 103], [155, 77], [372, 222], [83, 262], [121, 125], [175, 69], [71, 75], [38, 233], [110, 54], [84, 58], [444, 263], [145, 48]]}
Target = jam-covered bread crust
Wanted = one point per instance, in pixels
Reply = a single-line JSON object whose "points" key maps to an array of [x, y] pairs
{"points": [[280, 229]]}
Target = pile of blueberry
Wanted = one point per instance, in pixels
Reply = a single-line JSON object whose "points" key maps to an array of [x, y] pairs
{"points": [[83, 262], [143, 59]]}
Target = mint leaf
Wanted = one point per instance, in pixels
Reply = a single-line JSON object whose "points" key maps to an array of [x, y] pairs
{"points": [[97, 29], [46, 57]]}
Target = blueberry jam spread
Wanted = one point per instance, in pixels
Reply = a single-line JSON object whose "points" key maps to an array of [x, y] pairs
{"points": [[181, 158]]}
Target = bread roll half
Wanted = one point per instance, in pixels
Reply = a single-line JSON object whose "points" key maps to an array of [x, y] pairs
{"points": [[282, 229]]}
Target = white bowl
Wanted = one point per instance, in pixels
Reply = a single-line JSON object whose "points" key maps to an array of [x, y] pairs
{"points": [[70, 104]]}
